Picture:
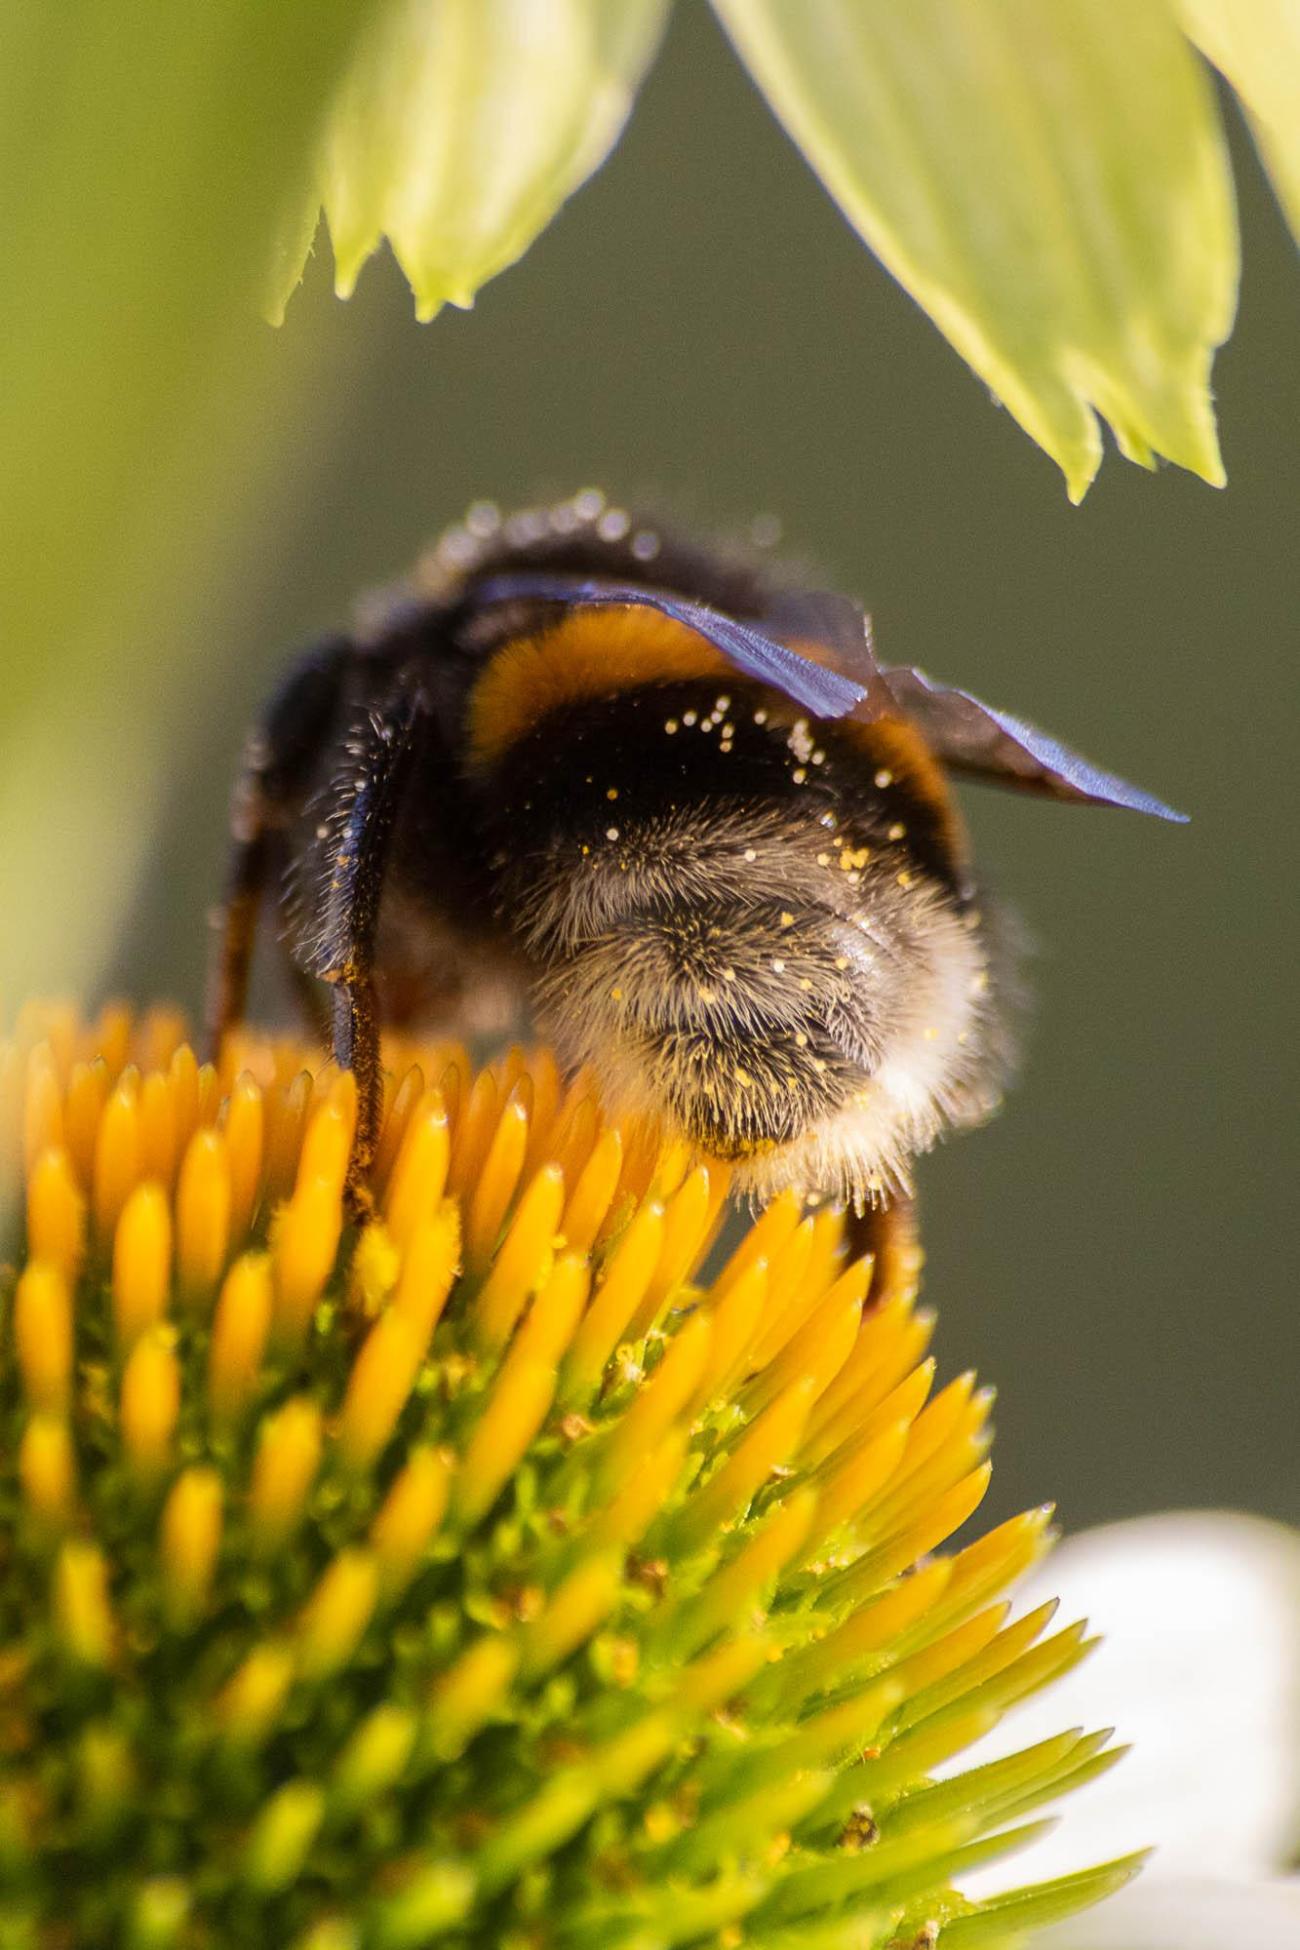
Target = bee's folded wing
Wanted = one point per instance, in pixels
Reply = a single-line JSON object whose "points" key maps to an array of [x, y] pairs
{"points": [[973, 737], [752, 650]]}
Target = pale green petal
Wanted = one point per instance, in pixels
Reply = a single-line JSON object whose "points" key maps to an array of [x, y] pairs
{"points": [[1185, 1913], [1256, 44], [1199, 1614], [465, 124], [1049, 182]]}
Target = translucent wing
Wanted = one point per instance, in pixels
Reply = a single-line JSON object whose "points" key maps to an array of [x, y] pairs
{"points": [[841, 631], [973, 737], [756, 652]]}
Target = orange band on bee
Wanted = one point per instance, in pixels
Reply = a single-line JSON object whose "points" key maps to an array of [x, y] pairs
{"points": [[896, 752], [591, 653], [603, 653]]}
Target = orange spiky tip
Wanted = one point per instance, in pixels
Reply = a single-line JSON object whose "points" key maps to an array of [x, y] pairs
{"points": [[487, 1570]]}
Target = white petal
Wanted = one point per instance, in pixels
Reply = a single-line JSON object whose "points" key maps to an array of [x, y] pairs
{"points": [[1185, 1914], [1200, 1669]]}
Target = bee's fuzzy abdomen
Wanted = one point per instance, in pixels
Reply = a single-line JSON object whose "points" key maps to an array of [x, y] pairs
{"points": [[733, 924]]}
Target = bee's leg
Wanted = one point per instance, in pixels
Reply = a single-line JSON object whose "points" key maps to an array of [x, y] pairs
{"points": [[275, 777], [367, 795], [356, 1048], [889, 1234]]}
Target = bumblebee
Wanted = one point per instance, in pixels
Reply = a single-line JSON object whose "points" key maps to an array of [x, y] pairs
{"points": [[676, 813]]}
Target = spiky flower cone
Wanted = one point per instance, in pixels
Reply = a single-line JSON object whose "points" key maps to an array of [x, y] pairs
{"points": [[480, 1578]]}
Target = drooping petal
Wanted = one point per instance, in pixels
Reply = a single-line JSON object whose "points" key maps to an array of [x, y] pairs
{"points": [[1200, 1667], [462, 127], [1256, 45], [1050, 183]]}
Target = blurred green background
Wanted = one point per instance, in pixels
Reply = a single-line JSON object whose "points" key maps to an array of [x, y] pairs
{"points": [[701, 329]]}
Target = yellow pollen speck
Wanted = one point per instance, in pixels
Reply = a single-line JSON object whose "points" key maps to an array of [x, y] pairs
{"points": [[690, 717], [728, 974], [800, 1040], [670, 726], [585, 851], [798, 775], [841, 961], [707, 995], [611, 792], [884, 777], [823, 859], [616, 994], [750, 854], [760, 717], [787, 919], [904, 879], [897, 830], [722, 704], [804, 983], [930, 1033]]}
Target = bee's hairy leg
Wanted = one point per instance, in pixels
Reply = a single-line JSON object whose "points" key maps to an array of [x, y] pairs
{"points": [[889, 1234], [368, 794], [274, 778], [356, 1048]]}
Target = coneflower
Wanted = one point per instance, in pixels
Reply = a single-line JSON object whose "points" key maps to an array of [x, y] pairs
{"points": [[484, 1575]]}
